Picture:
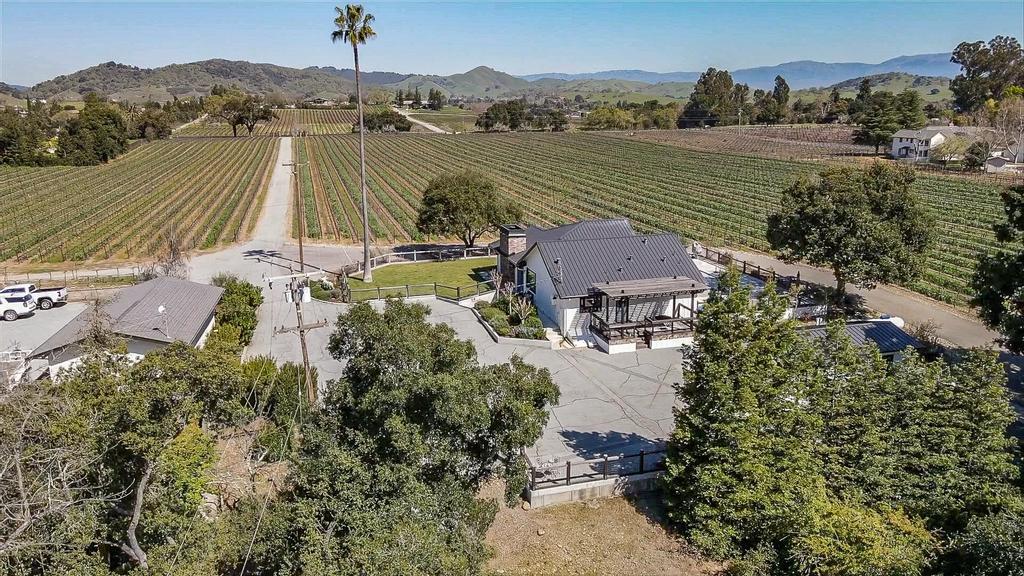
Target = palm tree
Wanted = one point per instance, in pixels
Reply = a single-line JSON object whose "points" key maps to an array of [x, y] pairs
{"points": [[353, 26]]}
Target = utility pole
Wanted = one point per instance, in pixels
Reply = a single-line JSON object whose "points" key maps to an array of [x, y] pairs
{"points": [[298, 292], [302, 210]]}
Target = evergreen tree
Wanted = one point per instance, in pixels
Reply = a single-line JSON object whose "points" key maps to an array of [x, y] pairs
{"points": [[741, 466], [879, 119]]}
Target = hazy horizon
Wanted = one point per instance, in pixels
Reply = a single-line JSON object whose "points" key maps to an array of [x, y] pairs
{"points": [[41, 40]]}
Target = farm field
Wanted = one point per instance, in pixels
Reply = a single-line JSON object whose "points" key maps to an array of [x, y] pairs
{"points": [[451, 119], [796, 142], [287, 123], [714, 197], [208, 191]]}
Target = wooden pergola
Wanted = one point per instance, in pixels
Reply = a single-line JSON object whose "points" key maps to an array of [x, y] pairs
{"points": [[611, 318]]}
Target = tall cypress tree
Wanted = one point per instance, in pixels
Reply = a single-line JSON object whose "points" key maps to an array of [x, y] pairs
{"points": [[740, 460]]}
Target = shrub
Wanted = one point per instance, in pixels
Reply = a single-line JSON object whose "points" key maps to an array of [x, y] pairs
{"points": [[842, 538], [481, 305], [491, 314], [226, 339], [533, 322], [991, 544], [238, 305], [501, 326]]}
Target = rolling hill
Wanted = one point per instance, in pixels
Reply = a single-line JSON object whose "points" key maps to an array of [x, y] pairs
{"points": [[124, 82], [931, 88], [121, 81], [799, 74]]}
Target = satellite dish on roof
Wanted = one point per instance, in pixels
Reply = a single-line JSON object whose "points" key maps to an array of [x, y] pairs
{"points": [[161, 309]]}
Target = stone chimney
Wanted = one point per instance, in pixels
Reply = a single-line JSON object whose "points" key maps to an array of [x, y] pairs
{"points": [[512, 240]]}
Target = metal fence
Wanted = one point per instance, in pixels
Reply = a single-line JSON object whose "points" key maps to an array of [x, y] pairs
{"points": [[411, 290], [767, 275], [441, 254], [602, 468], [996, 178], [98, 276]]}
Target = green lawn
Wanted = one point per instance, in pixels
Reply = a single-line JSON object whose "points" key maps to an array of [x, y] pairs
{"points": [[422, 277]]}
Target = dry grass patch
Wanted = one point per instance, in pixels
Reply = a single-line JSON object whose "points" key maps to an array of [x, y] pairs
{"points": [[609, 536]]}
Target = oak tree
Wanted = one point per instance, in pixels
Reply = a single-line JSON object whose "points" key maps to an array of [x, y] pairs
{"points": [[863, 224]]}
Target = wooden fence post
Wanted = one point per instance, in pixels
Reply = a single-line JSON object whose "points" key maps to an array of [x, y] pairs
{"points": [[568, 473], [408, 291], [641, 462], [605, 466]]}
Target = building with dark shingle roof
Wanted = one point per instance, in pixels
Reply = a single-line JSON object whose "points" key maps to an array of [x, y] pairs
{"points": [[889, 338], [149, 316], [599, 281]]}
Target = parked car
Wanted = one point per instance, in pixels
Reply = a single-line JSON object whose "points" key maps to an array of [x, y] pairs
{"points": [[14, 307], [44, 298]]}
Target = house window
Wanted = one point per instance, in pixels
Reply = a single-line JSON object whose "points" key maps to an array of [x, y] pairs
{"points": [[526, 280], [590, 304]]}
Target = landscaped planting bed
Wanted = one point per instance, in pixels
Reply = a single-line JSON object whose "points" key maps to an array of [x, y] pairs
{"points": [[206, 192], [512, 316], [718, 198]]}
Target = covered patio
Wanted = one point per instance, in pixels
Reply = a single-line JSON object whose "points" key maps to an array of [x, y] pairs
{"points": [[648, 313]]}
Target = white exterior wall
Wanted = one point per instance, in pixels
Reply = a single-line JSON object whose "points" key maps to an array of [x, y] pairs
{"points": [[206, 333], [543, 297], [922, 147]]}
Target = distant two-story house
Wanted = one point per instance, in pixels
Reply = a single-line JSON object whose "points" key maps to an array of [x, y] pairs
{"points": [[917, 145], [599, 281]]}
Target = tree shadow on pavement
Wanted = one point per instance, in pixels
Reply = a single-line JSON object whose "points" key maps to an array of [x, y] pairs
{"points": [[590, 445], [627, 446]]}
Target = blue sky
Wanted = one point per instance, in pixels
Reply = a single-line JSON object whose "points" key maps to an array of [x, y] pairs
{"points": [[39, 40]]}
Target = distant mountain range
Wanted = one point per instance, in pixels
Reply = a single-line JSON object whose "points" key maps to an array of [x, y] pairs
{"points": [[124, 82], [800, 74]]}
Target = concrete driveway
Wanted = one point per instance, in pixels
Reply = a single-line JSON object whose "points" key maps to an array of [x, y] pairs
{"points": [[609, 404], [616, 404], [29, 332]]}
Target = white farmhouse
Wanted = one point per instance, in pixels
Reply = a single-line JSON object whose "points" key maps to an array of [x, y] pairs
{"points": [[149, 316], [916, 145], [599, 281]]}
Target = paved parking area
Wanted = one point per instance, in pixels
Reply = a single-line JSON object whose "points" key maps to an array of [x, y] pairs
{"points": [[29, 332], [609, 404]]}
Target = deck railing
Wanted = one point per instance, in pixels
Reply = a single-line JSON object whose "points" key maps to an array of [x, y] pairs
{"points": [[593, 469], [646, 329]]}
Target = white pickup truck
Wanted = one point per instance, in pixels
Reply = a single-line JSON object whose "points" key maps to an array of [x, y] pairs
{"points": [[14, 307], [44, 298]]}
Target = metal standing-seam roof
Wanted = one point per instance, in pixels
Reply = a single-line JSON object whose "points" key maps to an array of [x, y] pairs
{"points": [[889, 337], [576, 266], [582, 230], [135, 312]]}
